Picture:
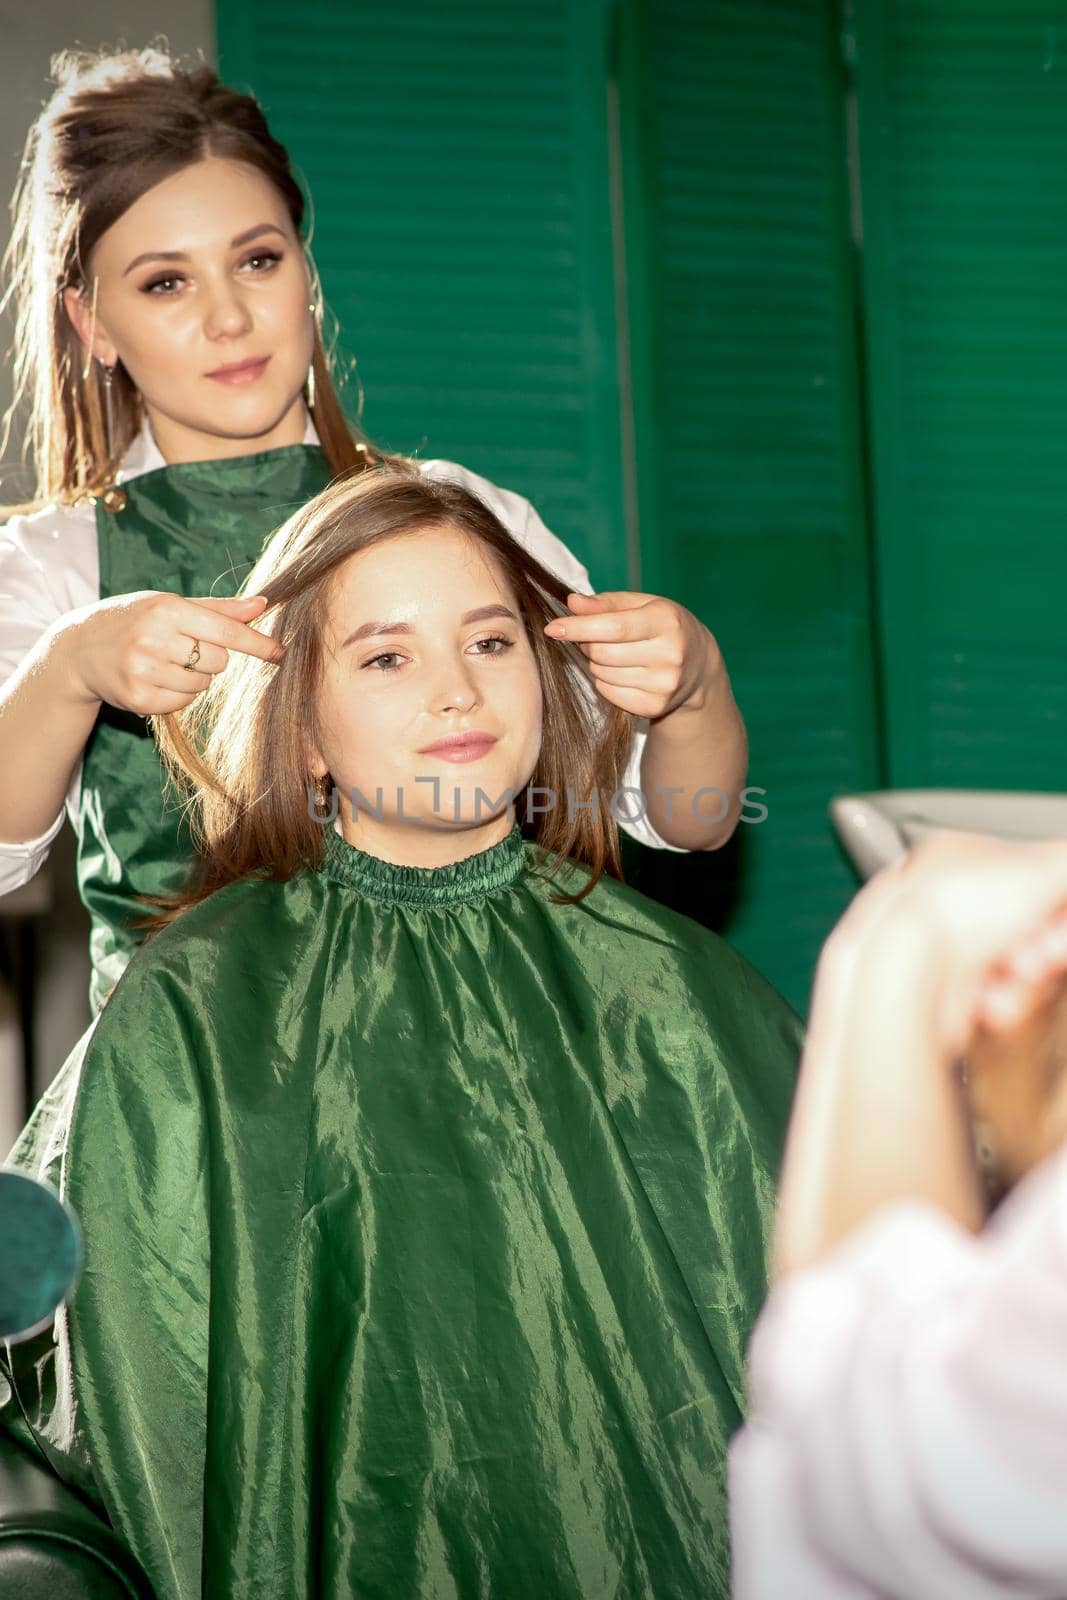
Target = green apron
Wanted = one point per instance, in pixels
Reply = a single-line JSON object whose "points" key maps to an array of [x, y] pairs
{"points": [[193, 529]]}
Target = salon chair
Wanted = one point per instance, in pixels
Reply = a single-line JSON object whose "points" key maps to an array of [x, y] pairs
{"points": [[53, 1544]]}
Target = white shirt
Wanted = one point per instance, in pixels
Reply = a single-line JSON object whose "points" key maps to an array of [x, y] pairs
{"points": [[49, 565], [907, 1436]]}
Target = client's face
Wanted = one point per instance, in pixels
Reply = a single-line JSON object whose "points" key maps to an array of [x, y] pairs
{"points": [[430, 695]]}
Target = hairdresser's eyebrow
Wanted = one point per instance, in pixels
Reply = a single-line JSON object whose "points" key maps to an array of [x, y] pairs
{"points": [[368, 630], [180, 255]]}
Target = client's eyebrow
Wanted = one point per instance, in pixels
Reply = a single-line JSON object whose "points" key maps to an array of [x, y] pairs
{"points": [[369, 630]]}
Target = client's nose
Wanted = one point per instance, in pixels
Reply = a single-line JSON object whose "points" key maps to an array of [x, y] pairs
{"points": [[457, 692]]}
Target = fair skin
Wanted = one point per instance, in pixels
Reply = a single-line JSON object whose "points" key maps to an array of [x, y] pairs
{"points": [[178, 298], [203, 272], [943, 957], [424, 643]]}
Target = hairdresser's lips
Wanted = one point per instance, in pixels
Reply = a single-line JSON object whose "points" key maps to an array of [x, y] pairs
{"points": [[461, 747], [240, 371]]}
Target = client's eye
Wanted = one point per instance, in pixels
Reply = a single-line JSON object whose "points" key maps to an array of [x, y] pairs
{"points": [[388, 661], [494, 645]]}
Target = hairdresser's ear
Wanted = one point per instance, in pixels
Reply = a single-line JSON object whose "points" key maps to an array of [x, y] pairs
{"points": [[78, 306]]}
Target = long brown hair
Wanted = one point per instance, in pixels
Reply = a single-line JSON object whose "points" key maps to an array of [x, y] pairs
{"points": [[239, 749], [117, 125]]}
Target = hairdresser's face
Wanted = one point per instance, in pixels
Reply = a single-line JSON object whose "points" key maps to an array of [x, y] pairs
{"points": [[202, 273], [424, 645]]}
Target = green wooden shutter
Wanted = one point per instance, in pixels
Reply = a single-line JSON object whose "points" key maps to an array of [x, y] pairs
{"points": [[963, 138], [458, 162], [467, 164], [752, 496]]}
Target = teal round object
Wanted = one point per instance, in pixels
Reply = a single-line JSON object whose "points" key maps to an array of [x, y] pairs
{"points": [[40, 1254]]}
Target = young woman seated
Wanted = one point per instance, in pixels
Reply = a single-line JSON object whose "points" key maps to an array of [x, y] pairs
{"points": [[425, 1172]]}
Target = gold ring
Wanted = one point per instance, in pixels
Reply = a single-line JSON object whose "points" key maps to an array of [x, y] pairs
{"points": [[193, 657]]}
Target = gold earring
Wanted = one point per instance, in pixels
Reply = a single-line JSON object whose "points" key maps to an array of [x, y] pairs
{"points": [[109, 378], [88, 364], [323, 798], [310, 386]]}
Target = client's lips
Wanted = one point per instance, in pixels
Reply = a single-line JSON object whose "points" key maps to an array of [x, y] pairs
{"points": [[240, 371], [460, 746]]}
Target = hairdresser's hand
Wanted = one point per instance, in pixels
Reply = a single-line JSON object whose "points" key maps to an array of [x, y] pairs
{"points": [[648, 655], [129, 651], [966, 933]]}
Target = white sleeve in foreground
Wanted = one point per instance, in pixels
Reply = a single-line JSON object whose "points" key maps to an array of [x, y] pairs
{"points": [[21, 862], [34, 551], [908, 1426]]}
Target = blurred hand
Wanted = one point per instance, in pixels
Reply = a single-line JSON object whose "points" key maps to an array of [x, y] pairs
{"points": [[987, 918], [960, 952]]}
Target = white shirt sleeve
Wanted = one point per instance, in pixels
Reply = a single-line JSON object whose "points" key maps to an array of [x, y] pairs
{"points": [[526, 527], [908, 1428], [48, 566]]}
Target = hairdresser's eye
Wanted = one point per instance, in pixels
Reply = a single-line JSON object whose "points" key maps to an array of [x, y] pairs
{"points": [[262, 261], [388, 661], [494, 645], [162, 286]]}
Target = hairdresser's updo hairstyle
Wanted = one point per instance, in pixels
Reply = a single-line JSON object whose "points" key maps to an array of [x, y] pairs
{"points": [[117, 125]]}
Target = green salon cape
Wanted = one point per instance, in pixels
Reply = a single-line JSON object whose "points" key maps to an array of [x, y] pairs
{"points": [[425, 1224]]}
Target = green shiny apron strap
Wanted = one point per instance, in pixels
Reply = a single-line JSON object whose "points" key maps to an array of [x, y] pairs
{"points": [[192, 529]]}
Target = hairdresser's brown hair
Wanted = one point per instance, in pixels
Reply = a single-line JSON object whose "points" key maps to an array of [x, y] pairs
{"points": [[239, 748], [117, 125]]}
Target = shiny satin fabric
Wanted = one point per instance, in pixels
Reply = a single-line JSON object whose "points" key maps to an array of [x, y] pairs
{"points": [[193, 529], [425, 1224]]}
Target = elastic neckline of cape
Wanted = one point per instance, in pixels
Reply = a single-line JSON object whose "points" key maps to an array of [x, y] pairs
{"points": [[460, 882]]}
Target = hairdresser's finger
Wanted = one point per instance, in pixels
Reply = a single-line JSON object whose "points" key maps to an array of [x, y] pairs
{"points": [[608, 600], [636, 701], [174, 679], [648, 678], [171, 703], [612, 628], [609, 626], [166, 703], [238, 605], [230, 634], [212, 658], [633, 653]]}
